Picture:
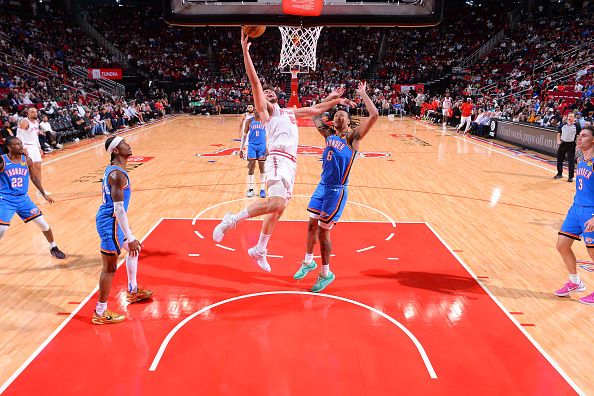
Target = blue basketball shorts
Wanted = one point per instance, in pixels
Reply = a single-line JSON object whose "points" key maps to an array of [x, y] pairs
{"points": [[328, 202], [19, 204], [112, 236], [574, 225], [256, 151]]}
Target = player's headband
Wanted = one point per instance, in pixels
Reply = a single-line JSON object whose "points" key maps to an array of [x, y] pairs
{"points": [[114, 143]]}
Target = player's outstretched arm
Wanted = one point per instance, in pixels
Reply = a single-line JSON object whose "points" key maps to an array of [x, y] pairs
{"points": [[317, 120], [369, 122], [36, 181], [117, 182], [244, 136], [259, 98], [320, 108], [241, 120]]}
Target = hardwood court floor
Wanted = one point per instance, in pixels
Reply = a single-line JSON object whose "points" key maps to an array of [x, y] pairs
{"points": [[498, 211]]}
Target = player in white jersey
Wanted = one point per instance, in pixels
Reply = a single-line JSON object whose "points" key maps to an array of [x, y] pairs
{"points": [[245, 117], [446, 107], [28, 133], [281, 163]]}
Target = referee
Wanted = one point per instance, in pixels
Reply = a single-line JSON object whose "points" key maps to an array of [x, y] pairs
{"points": [[566, 138]]}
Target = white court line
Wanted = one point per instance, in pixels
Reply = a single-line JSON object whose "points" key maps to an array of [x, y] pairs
{"points": [[124, 135], [62, 325], [514, 321], [199, 235], [273, 256], [393, 258], [487, 147], [365, 249], [390, 237], [332, 255], [194, 254], [410, 335], [225, 247]]}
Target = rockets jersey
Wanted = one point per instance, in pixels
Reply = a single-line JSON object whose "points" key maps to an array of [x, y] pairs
{"points": [[283, 134]]}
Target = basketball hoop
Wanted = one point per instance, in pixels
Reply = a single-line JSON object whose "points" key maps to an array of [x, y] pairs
{"points": [[299, 48], [294, 73]]}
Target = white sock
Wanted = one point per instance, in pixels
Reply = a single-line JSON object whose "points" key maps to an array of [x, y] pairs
{"points": [[241, 216], [308, 258], [263, 181], [132, 270], [325, 269], [574, 278], [263, 242], [250, 182], [53, 244], [100, 308]]}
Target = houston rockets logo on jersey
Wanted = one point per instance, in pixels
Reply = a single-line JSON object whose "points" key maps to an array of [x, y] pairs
{"points": [[301, 150]]}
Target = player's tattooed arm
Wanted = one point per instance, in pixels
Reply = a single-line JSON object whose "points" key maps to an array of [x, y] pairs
{"points": [[324, 129], [362, 130], [36, 181]]}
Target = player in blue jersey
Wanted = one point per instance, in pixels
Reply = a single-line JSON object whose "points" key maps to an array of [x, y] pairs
{"points": [[254, 134], [15, 171], [115, 233], [580, 218], [330, 197]]}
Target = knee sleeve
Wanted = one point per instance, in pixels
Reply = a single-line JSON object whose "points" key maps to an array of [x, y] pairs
{"points": [[41, 223], [3, 230], [314, 216]]}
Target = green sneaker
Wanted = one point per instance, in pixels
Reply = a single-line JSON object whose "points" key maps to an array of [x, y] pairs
{"points": [[304, 269], [322, 282]]}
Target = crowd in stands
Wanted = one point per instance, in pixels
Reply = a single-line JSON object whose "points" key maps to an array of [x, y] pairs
{"points": [[517, 80]]}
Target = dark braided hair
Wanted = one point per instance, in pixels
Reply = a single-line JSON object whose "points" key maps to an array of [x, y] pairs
{"points": [[107, 143]]}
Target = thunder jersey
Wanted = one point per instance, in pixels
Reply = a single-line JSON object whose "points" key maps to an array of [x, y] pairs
{"points": [[14, 179], [337, 160], [106, 209], [257, 134], [584, 183]]}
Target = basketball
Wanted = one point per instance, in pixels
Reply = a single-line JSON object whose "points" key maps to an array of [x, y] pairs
{"points": [[254, 31]]}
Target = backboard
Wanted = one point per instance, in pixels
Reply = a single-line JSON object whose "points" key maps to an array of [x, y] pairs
{"points": [[334, 13]]}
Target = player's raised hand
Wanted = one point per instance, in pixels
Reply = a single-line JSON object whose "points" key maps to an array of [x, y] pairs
{"points": [[336, 93], [346, 102], [241, 154], [134, 247], [49, 199], [245, 44], [362, 88]]}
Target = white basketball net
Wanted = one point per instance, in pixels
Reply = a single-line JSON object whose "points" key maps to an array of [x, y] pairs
{"points": [[299, 47]]}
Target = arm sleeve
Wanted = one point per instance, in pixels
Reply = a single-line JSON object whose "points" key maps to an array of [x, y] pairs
{"points": [[122, 217]]}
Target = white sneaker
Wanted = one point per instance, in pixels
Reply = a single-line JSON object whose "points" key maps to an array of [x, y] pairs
{"points": [[59, 146], [260, 258], [250, 193], [228, 223]]}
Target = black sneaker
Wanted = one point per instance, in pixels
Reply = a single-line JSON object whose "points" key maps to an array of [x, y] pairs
{"points": [[570, 180], [558, 176], [57, 253]]}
